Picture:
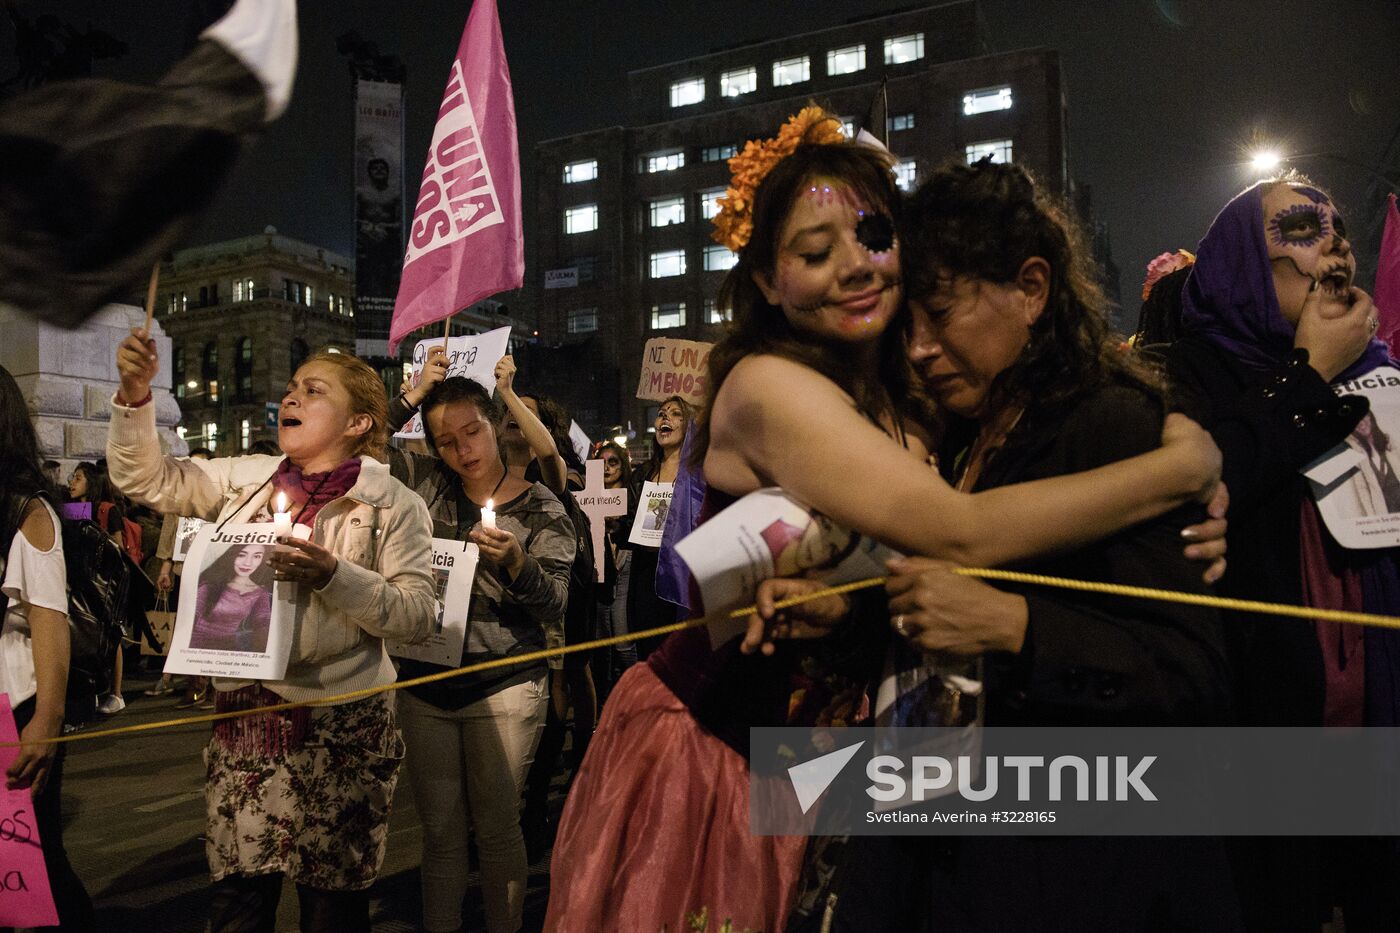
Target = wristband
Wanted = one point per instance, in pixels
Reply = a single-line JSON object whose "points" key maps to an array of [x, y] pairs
{"points": [[121, 400]]}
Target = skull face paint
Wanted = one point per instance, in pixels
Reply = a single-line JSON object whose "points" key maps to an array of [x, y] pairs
{"points": [[1307, 246], [836, 274]]}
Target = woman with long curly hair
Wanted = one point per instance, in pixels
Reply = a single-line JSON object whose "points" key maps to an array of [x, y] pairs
{"points": [[810, 389]]}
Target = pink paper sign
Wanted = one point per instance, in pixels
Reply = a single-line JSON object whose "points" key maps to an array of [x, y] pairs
{"points": [[25, 897]]}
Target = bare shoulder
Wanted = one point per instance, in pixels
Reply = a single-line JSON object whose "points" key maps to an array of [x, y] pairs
{"points": [[765, 381], [38, 526]]}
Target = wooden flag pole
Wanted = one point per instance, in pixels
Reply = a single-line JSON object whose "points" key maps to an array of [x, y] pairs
{"points": [[151, 296], [446, 332]]}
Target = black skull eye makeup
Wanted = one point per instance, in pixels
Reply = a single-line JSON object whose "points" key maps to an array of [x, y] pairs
{"points": [[875, 232], [1299, 225]]}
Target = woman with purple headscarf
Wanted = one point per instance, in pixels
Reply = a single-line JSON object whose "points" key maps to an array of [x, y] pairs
{"points": [[1270, 324]]}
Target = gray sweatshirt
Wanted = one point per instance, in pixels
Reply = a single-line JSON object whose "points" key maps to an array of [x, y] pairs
{"points": [[507, 617]]}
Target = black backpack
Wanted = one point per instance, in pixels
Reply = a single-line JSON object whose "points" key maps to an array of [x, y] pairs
{"points": [[99, 580]]}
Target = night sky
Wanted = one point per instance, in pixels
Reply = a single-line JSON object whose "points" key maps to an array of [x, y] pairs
{"points": [[1165, 96]]}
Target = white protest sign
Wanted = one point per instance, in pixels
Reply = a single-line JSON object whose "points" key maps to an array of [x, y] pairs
{"points": [[599, 504], [652, 508], [767, 534], [234, 620], [1357, 483], [454, 569], [184, 536], [472, 355], [582, 445]]}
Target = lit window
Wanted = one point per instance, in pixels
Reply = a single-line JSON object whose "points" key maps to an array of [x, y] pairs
{"points": [[586, 170], [582, 320], [999, 150], [211, 435], [901, 121], [734, 83], [668, 314], [901, 49], [179, 301], [904, 174], [667, 211], [667, 263], [687, 92], [213, 390], [713, 315], [238, 292], [245, 434], [709, 202], [718, 153], [719, 258], [663, 161], [987, 100], [791, 71], [845, 61], [308, 298], [848, 126], [581, 219]]}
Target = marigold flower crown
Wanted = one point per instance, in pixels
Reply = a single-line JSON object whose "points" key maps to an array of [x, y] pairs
{"points": [[734, 222]]}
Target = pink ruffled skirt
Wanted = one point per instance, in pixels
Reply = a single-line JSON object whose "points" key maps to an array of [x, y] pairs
{"points": [[656, 828]]}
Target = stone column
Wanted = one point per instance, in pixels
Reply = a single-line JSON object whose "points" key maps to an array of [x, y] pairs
{"points": [[68, 378]]}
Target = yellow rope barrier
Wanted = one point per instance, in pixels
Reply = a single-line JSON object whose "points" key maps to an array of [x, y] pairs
{"points": [[1009, 576]]}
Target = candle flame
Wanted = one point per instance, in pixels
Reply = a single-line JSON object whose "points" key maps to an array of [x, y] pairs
{"points": [[281, 502]]}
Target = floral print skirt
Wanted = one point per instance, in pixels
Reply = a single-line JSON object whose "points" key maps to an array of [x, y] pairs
{"points": [[317, 811]]}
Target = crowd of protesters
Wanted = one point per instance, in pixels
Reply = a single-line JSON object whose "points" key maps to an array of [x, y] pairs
{"points": [[873, 334]]}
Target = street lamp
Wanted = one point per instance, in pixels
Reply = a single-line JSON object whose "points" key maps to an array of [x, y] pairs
{"points": [[1265, 160]]}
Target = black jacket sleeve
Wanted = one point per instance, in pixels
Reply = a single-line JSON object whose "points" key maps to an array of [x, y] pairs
{"points": [[399, 413], [1089, 658], [1268, 426]]}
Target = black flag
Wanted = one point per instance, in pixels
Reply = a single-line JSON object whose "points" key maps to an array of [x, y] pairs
{"points": [[102, 178], [877, 118]]}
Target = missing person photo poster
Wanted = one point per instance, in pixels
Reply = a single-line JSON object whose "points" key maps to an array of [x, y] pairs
{"points": [[1357, 484], [454, 568], [233, 620], [653, 505]]}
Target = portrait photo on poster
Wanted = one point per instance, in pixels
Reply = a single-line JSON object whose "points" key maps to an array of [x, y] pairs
{"points": [[454, 568], [233, 620], [653, 505], [1357, 484]]}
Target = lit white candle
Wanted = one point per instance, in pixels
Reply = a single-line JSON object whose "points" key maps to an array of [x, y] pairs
{"points": [[488, 515], [282, 516]]}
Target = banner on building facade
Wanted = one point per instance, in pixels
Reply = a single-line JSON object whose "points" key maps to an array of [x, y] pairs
{"points": [[379, 203], [674, 367], [561, 278]]}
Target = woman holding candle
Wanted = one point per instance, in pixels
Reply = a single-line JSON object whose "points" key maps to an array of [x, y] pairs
{"points": [[810, 391], [471, 739], [303, 793]]}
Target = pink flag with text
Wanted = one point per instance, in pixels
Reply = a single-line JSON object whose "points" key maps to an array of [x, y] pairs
{"points": [[465, 242], [1387, 296]]}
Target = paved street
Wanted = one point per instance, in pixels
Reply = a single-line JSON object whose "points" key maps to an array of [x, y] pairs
{"points": [[134, 808]]}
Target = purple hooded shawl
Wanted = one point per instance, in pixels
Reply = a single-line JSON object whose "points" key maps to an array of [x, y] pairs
{"points": [[1230, 300]]}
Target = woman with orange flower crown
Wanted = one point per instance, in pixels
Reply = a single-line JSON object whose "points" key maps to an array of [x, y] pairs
{"points": [[810, 388]]}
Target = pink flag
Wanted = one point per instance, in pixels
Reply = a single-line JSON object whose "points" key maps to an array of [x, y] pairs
{"points": [[1387, 297], [465, 243]]}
